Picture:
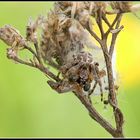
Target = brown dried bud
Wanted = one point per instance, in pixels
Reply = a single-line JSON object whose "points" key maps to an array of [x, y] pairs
{"points": [[101, 5], [122, 6], [135, 7], [64, 3], [12, 37], [11, 53], [31, 30]]}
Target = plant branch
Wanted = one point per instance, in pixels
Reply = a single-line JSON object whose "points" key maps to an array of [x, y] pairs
{"points": [[38, 52], [113, 23], [97, 117], [33, 52], [112, 95], [99, 22], [114, 35], [106, 20], [38, 66], [93, 34]]}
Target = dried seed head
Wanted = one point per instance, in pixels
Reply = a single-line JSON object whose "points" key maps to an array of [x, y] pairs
{"points": [[31, 30], [11, 53], [65, 35], [101, 5], [64, 3], [135, 7], [12, 37], [122, 6], [84, 17]]}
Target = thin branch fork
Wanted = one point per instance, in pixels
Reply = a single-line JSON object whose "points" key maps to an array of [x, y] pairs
{"points": [[114, 35], [99, 22], [108, 56], [95, 115], [38, 66], [38, 52], [118, 17]]}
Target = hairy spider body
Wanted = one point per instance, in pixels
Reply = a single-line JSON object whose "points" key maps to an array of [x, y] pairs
{"points": [[80, 71]]}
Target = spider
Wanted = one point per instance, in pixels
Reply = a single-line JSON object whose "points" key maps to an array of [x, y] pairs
{"points": [[78, 75]]}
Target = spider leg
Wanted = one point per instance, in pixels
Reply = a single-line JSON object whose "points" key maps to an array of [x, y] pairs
{"points": [[60, 87], [92, 90], [101, 89], [97, 73]]}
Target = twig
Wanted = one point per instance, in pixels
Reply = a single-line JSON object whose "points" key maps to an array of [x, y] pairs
{"points": [[47, 72], [106, 20], [96, 116], [112, 95], [93, 34], [22, 62], [114, 36], [31, 50], [38, 66], [99, 22], [113, 23], [38, 52]]}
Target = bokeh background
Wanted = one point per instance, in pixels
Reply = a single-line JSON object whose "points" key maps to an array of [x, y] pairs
{"points": [[28, 106]]}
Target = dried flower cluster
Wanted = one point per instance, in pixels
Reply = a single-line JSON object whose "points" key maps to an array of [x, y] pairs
{"points": [[64, 44]]}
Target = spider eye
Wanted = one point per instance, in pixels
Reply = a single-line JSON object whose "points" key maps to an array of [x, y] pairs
{"points": [[86, 87]]}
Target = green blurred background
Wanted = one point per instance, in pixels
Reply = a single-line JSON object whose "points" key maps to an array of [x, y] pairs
{"points": [[28, 106]]}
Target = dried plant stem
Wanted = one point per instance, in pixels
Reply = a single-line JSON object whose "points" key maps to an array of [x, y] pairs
{"points": [[38, 66], [30, 50], [113, 23], [108, 59], [118, 131], [97, 117], [113, 99], [38, 52], [114, 35]]}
